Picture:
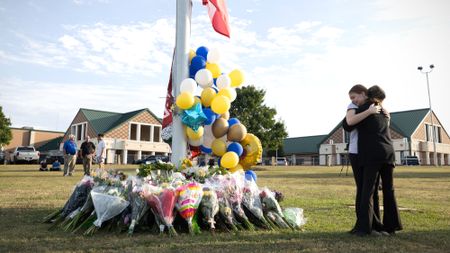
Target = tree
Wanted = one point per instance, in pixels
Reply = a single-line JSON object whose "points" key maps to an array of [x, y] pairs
{"points": [[259, 119], [5, 131]]}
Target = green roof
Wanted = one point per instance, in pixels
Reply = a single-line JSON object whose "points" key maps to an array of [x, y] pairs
{"points": [[102, 121], [302, 145], [53, 144], [406, 122]]}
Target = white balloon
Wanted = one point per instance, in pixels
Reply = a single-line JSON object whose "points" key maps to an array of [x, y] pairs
{"points": [[204, 78], [233, 94], [188, 85], [223, 81], [213, 55]]}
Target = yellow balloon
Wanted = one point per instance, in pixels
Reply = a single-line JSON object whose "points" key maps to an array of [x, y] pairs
{"points": [[214, 68], [226, 92], [220, 104], [185, 100], [208, 94], [195, 135], [191, 54], [229, 160], [236, 169], [219, 147], [237, 78]]}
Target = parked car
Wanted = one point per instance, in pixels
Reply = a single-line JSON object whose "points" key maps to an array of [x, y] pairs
{"points": [[410, 160], [25, 154], [282, 161], [152, 159]]}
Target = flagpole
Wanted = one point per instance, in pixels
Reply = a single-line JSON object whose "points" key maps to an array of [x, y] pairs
{"points": [[180, 72]]}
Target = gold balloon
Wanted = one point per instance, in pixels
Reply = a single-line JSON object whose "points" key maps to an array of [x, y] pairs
{"points": [[219, 147], [208, 94], [237, 132], [220, 127], [226, 115]]}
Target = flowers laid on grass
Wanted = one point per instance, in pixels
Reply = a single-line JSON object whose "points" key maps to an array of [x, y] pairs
{"points": [[202, 197]]}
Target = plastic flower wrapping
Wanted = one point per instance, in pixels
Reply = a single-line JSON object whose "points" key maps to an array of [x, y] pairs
{"points": [[202, 197]]}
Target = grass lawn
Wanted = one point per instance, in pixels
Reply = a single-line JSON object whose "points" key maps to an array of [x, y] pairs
{"points": [[423, 193]]}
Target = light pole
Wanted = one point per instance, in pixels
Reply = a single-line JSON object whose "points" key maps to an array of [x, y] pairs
{"points": [[433, 132]]}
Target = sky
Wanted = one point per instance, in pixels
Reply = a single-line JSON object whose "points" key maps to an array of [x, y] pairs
{"points": [[57, 56]]}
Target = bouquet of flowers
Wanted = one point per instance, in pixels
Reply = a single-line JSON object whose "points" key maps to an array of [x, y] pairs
{"points": [[209, 206], [138, 204], [107, 205], [76, 201], [272, 209], [252, 202], [233, 192], [294, 217], [226, 212], [189, 197], [162, 202]]}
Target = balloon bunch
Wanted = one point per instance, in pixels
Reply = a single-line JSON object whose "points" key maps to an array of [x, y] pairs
{"points": [[206, 117]]}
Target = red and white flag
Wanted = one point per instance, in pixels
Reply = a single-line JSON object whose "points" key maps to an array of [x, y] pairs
{"points": [[217, 10]]}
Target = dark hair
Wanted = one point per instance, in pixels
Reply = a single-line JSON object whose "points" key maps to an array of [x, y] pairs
{"points": [[100, 135], [376, 94], [358, 88]]}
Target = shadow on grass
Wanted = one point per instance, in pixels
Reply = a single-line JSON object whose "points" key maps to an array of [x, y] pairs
{"points": [[24, 232], [337, 175]]}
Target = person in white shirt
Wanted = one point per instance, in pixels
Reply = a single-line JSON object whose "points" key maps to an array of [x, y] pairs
{"points": [[101, 151]]}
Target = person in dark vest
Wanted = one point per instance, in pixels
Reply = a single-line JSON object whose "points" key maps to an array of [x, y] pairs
{"points": [[358, 96], [87, 154], [376, 155]]}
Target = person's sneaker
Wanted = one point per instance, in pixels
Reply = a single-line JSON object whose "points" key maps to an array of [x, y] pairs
{"points": [[70, 174]]}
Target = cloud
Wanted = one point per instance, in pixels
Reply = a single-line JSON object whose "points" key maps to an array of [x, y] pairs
{"points": [[52, 106]]}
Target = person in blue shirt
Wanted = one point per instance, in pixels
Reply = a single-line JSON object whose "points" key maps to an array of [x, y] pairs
{"points": [[70, 154], [56, 165]]}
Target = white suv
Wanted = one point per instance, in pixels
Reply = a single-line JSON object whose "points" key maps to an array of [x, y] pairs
{"points": [[282, 161]]}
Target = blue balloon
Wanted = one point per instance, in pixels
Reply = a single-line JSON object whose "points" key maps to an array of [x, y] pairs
{"points": [[197, 63], [236, 148], [205, 149], [233, 121], [210, 116], [218, 161], [250, 175], [202, 51], [193, 117]]}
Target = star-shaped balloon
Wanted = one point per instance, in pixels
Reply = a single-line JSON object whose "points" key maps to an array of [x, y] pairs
{"points": [[193, 117]]}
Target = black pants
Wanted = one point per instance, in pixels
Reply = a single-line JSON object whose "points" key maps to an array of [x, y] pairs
{"points": [[391, 216], [359, 177]]}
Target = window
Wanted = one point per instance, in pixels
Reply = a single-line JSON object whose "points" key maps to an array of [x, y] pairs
{"points": [[145, 133], [156, 133], [79, 130], [427, 132], [346, 137], [133, 132], [437, 134]]}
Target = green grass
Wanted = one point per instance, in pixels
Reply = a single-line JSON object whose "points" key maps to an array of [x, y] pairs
{"points": [[26, 196]]}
